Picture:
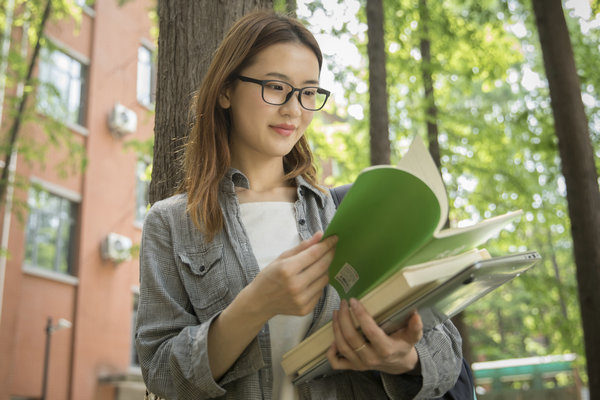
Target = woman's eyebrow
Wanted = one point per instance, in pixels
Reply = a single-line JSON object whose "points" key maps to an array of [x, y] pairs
{"points": [[284, 77]]}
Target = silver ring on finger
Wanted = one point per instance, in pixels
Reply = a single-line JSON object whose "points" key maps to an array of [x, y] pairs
{"points": [[359, 348]]}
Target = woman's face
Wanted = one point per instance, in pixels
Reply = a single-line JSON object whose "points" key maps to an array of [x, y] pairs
{"points": [[262, 131]]}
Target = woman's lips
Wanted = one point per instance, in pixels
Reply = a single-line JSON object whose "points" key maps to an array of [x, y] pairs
{"points": [[284, 129]]}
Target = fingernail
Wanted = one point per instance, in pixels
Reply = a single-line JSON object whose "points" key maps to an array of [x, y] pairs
{"points": [[353, 303]]}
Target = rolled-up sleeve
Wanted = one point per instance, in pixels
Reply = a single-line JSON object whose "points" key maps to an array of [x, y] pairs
{"points": [[440, 358], [171, 342], [170, 338]]}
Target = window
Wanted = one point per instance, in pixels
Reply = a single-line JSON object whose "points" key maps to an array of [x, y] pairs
{"points": [[142, 187], [146, 77], [134, 355], [50, 232], [85, 3], [61, 94]]}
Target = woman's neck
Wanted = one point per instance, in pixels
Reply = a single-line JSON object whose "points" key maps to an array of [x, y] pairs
{"points": [[283, 193], [266, 182]]}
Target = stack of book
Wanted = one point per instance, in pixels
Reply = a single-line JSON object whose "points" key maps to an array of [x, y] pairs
{"points": [[395, 257]]}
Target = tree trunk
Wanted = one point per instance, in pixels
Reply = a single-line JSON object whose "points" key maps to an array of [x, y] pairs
{"points": [[378, 98], [426, 70], [189, 33], [291, 7], [579, 170], [559, 284], [431, 117]]}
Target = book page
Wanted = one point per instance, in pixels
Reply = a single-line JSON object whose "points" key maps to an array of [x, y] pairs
{"points": [[418, 162], [453, 241], [386, 215], [438, 269]]}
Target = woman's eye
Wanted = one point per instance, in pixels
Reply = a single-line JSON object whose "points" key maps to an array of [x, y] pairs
{"points": [[274, 86], [309, 92]]}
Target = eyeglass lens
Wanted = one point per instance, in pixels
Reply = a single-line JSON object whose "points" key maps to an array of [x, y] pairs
{"points": [[277, 93]]}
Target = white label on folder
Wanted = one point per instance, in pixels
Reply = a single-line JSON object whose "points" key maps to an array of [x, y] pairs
{"points": [[347, 277]]}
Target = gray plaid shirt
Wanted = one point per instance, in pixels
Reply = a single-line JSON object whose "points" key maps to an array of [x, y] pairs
{"points": [[186, 282]]}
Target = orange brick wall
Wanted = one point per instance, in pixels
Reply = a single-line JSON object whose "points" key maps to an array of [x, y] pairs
{"points": [[100, 304]]}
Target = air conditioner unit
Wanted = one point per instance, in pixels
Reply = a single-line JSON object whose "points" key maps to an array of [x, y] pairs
{"points": [[122, 121], [116, 248]]}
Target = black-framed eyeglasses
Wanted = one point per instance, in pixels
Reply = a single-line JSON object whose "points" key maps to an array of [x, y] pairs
{"points": [[311, 98]]}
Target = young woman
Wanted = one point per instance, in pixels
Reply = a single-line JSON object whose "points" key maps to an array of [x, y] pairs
{"points": [[233, 271]]}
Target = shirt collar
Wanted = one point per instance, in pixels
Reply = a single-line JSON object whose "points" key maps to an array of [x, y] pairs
{"points": [[234, 178], [303, 185]]}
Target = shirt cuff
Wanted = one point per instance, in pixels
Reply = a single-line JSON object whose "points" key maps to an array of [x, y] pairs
{"points": [[250, 361]]}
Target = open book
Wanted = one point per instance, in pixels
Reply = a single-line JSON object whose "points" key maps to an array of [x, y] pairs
{"points": [[392, 248], [435, 302], [392, 217]]}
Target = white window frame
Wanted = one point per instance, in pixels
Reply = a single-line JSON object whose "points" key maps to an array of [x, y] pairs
{"points": [[146, 76], [74, 199], [83, 78], [142, 190], [87, 8]]}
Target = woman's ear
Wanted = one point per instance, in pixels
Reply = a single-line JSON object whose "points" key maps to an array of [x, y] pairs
{"points": [[224, 97]]}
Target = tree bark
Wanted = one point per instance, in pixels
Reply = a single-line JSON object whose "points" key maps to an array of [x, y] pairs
{"points": [[190, 32], [378, 97], [291, 7], [579, 170], [431, 118], [427, 74], [559, 284]]}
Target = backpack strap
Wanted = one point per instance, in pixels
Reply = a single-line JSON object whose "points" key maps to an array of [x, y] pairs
{"points": [[338, 193]]}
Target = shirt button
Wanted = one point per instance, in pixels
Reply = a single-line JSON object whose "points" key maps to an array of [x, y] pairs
{"points": [[202, 269], [302, 221]]}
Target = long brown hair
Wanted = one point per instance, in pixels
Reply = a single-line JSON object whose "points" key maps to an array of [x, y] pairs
{"points": [[207, 157]]}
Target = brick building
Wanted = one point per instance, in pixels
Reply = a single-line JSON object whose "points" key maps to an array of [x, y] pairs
{"points": [[102, 70]]}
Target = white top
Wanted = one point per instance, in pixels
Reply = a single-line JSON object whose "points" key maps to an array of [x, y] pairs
{"points": [[271, 228]]}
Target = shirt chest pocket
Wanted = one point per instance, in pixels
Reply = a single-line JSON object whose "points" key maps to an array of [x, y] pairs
{"points": [[205, 278]]}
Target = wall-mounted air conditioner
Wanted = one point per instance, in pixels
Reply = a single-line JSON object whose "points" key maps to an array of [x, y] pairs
{"points": [[116, 247], [122, 121]]}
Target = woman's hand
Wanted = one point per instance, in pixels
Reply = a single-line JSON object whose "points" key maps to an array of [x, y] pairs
{"points": [[373, 349], [293, 283]]}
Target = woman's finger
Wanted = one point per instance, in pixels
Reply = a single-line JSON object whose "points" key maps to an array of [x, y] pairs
{"points": [[302, 245], [414, 330], [340, 354], [351, 342], [380, 342]]}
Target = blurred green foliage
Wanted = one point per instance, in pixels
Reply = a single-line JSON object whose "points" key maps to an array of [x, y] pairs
{"points": [[498, 146]]}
